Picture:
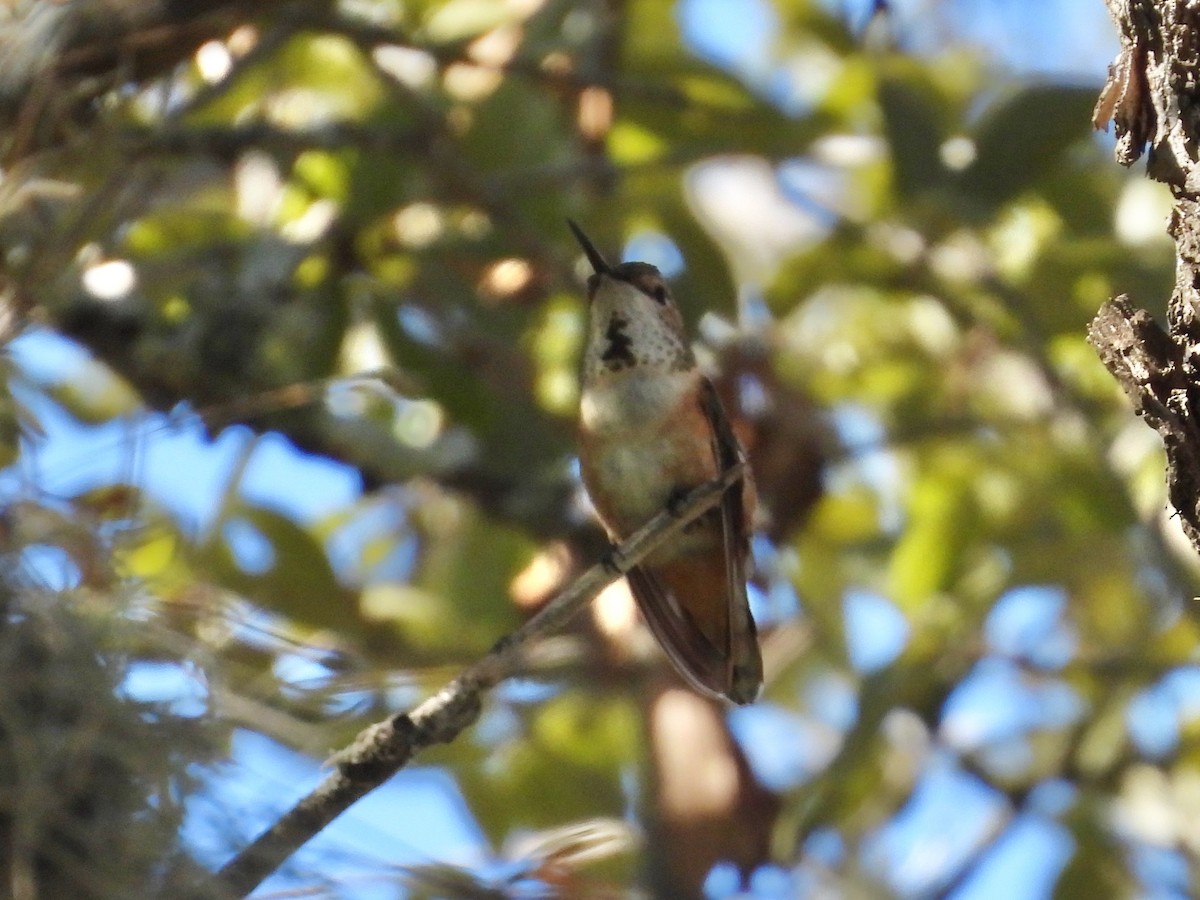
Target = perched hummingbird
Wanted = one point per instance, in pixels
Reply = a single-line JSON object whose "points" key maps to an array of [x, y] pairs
{"points": [[651, 429]]}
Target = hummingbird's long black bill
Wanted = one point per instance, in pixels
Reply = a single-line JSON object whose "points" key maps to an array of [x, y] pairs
{"points": [[598, 262]]}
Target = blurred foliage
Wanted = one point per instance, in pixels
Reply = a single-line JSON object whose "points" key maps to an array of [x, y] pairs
{"points": [[344, 223], [96, 774]]}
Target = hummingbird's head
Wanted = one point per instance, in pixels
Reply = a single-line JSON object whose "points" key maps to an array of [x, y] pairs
{"points": [[633, 320]]}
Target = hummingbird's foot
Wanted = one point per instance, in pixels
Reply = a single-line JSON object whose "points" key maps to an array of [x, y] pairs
{"points": [[677, 506], [677, 501], [504, 644], [614, 561]]}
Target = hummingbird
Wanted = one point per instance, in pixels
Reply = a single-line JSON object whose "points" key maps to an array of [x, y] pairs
{"points": [[651, 428]]}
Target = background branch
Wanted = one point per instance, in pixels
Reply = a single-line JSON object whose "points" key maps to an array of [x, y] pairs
{"points": [[62, 55], [386, 747]]}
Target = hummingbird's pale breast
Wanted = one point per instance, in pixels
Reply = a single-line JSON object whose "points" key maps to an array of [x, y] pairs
{"points": [[645, 437]]}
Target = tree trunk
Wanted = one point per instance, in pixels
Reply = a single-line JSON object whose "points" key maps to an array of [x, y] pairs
{"points": [[1153, 97]]}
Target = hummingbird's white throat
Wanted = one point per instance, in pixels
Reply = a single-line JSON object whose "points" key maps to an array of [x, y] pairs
{"points": [[638, 367], [628, 329]]}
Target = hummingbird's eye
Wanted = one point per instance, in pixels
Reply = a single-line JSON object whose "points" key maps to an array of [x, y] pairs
{"points": [[659, 293]]}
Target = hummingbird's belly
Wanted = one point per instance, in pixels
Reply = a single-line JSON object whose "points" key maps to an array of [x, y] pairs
{"points": [[642, 441]]}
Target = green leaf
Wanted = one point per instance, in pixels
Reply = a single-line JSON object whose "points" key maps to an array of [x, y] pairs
{"points": [[298, 582], [455, 20], [913, 119], [468, 563], [1021, 139], [580, 741], [941, 526]]}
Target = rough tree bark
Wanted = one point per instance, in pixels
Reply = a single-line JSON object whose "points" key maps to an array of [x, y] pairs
{"points": [[1153, 97]]}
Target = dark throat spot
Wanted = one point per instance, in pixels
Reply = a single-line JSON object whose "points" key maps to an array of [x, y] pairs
{"points": [[618, 353]]}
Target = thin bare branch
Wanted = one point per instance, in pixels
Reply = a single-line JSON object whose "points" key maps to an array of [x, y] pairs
{"points": [[386, 747]]}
